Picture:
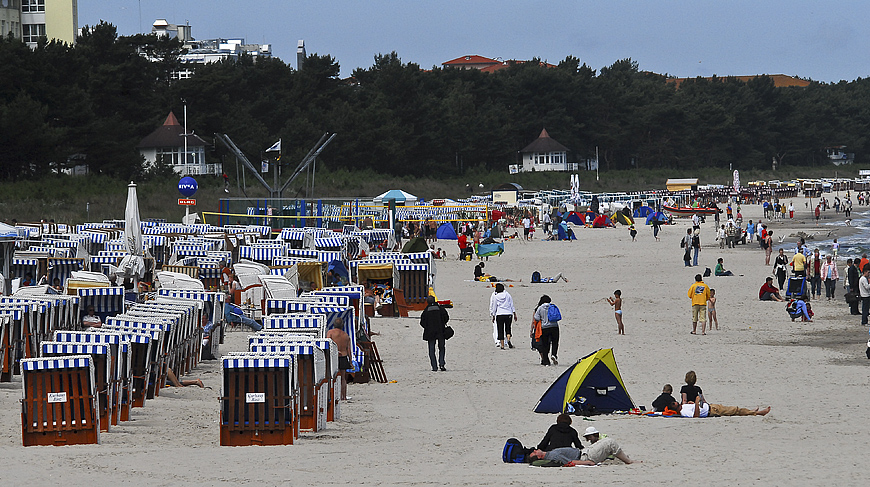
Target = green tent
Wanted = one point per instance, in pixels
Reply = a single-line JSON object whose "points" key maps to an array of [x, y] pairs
{"points": [[416, 244]]}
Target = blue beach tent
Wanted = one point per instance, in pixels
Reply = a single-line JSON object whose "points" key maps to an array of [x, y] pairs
{"points": [[642, 212], [591, 386], [562, 232], [446, 232], [576, 218]]}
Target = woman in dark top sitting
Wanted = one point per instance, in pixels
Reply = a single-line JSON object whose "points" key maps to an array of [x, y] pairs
{"points": [[690, 392], [560, 435]]}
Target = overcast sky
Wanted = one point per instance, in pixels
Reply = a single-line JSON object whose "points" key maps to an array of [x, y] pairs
{"points": [[825, 41]]}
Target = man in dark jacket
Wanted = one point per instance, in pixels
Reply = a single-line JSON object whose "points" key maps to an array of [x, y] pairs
{"points": [[852, 276], [433, 320], [666, 397], [560, 435]]}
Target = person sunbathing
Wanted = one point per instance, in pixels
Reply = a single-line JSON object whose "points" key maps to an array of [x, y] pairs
{"points": [[599, 450], [706, 409]]}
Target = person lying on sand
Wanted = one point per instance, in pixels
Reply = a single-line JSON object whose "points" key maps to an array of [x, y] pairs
{"points": [[173, 380], [597, 452], [690, 410]]}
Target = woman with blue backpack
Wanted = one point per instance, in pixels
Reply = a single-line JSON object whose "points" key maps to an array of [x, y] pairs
{"points": [[548, 315]]}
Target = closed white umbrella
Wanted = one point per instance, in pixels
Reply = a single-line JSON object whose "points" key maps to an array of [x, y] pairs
{"points": [[133, 264], [132, 227]]}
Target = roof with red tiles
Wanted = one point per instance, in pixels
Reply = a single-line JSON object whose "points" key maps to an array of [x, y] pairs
{"points": [[545, 143], [472, 59]]}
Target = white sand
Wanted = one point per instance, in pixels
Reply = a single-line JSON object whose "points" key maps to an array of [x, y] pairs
{"points": [[449, 427]]}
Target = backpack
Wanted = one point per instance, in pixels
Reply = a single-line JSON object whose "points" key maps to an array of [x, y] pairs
{"points": [[536, 276], [514, 452], [553, 313]]}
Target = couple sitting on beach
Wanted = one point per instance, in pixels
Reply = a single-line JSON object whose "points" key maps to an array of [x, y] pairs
{"points": [[693, 404], [556, 448]]}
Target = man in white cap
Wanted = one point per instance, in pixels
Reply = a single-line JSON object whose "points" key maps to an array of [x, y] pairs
{"points": [[600, 448], [595, 454]]}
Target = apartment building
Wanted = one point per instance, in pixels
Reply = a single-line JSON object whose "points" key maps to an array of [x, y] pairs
{"points": [[29, 20]]}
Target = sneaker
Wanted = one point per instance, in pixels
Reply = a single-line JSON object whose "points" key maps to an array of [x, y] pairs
{"points": [[443, 369], [511, 345], [553, 359]]}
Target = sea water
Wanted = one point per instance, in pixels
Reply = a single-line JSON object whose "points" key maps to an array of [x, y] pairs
{"points": [[850, 246]]}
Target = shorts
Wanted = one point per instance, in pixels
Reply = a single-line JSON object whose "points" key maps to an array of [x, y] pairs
{"points": [[699, 311], [526, 232], [344, 363]]}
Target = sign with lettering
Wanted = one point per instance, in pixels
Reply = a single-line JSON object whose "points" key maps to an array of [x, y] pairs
{"points": [[187, 186], [56, 397], [186, 202], [255, 397]]}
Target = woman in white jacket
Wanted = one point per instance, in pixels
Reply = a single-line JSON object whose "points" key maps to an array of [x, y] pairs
{"points": [[501, 308]]}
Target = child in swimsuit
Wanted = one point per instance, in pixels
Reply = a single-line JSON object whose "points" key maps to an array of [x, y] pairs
{"points": [[616, 302], [711, 309]]}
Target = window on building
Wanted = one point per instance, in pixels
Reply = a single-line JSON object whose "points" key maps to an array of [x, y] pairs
{"points": [[174, 156], [32, 32], [33, 6]]}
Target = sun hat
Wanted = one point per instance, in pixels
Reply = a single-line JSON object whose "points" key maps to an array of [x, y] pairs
{"points": [[590, 431]]}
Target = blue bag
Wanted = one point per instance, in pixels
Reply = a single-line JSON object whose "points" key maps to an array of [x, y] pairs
{"points": [[553, 313]]}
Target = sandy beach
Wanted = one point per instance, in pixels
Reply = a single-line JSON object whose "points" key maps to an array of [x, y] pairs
{"points": [[448, 428]]}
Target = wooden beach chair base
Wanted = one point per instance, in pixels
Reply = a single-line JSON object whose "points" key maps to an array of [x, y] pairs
{"points": [[270, 421], [373, 366], [59, 405]]}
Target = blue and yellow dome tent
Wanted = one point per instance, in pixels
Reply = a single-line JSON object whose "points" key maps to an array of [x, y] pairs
{"points": [[590, 386]]}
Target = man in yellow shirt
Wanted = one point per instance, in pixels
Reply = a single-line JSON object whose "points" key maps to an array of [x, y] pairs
{"points": [[799, 264], [699, 293]]}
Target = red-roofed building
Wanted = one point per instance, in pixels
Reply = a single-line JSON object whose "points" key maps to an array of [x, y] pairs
{"points": [[471, 62], [167, 144], [484, 64]]}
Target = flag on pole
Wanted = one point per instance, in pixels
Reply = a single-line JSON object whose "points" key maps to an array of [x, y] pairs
{"points": [[276, 147]]}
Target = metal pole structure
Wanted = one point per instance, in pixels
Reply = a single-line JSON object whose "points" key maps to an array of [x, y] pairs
{"points": [[313, 174], [272, 190], [186, 207], [597, 163]]}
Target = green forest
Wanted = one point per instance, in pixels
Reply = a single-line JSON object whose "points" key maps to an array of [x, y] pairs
{"points": [[97, 99]]}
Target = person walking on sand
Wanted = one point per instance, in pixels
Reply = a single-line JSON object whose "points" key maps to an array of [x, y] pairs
{"points": [[864, 293], [501, 308], [699, 293], [616, 302], [433, 320], [686, 245], [549, 332], [767, 245], [830, 275]]}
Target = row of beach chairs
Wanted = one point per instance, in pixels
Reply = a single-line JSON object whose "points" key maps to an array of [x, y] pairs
{"points": [[85, 382], [288, 381]]}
